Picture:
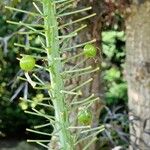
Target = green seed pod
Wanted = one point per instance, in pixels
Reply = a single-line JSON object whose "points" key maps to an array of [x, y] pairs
{"points": [[84, 117], [27, 63], [89, 50]]}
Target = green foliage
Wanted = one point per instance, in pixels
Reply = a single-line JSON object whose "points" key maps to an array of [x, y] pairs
{"points": [[110, 39], [117, 88], [113, 49], [116, 93], [112, 74], [114, 54]]}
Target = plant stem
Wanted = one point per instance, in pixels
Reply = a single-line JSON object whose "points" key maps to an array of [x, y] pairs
{"points": [[55, 68]]}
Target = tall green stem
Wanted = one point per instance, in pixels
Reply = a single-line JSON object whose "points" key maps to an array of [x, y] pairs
{"points": [[55, 67]]}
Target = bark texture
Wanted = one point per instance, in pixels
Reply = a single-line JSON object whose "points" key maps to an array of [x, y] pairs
{"points": [[138, 76]]}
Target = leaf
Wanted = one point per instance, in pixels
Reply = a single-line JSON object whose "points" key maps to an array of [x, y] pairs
{"points": [[109, 37], [109, 50], [117, 91], [112, 74]]}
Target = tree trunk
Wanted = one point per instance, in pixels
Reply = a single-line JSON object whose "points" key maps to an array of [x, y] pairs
{"points": [[138, 76]]}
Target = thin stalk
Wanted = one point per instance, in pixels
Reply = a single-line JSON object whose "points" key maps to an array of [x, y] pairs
{"points": [[67, 36], [81, 85], [64, 8], [30, 47], [57, 85], [93, 129], [20, 23], [42, 126], [87, 146], [38, 112], [73, 57], [30, 80], [37, 8], [79, 63], [82, 101], [89, 136], [64, 4], [59, 1], [80, 127], [23, 11], [31, 141], [79, 45], [75, 21], [91, 101], [38, 103], [34, 75], [36, 57], [74, 12], [64, 41], [28, 32], [45, 146], [29, 26], [71, 93], [77, 70], [84, 73], [38, 132], [40, 115]]}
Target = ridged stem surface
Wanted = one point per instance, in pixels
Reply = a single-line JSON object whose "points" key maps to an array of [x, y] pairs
{"points": [[55, 68]]}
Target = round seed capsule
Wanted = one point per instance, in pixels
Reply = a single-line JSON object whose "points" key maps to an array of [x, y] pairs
{"points": [[84, 117], [89, 50], [27, 63]]}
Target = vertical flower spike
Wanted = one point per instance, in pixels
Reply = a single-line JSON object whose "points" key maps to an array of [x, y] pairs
{"points": [[60, 99], [55, 68]]}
